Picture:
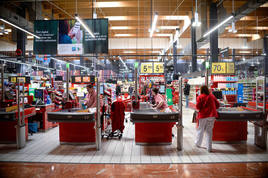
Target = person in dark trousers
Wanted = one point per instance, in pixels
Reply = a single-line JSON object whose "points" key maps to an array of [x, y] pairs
{"points": [[130, 90], [207, 105], [118, 90], [186, 91]]}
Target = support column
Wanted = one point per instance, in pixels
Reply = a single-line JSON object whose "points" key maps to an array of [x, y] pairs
{"points": [[194, 48], [21, 41], [265, 51], [213, 20], [175, 57], [233, 55], [204, 17]]}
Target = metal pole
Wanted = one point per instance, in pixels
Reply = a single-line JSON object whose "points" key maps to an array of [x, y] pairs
{"points": [[19, 117], [98, 122], [179, 125], [2, 82], [136, 83], [67, 83]]}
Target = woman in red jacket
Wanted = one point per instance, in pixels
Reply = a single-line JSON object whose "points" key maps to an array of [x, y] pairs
{"points": [[207, 105]]}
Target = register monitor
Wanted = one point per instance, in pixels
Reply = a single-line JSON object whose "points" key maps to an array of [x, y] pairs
{"points": [[162, 89]]}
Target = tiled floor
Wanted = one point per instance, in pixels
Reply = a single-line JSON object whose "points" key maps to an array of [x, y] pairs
{"points": [[219, 170], [45, 147]]}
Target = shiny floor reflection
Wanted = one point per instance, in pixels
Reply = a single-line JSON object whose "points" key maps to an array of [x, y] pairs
{"points": [[133, 170]]}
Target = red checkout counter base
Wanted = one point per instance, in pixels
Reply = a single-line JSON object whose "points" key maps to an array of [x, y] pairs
{"points": [[8, 123], [75, 128], [8, 131], [153, 133], [230, 131], [77, 133]]}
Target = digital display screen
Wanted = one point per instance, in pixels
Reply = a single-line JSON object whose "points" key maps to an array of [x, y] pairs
{"points": [[101, 89], [86, 79], [13, 79], [78, 79], [39, 93], [58, 78], [162, 89]]}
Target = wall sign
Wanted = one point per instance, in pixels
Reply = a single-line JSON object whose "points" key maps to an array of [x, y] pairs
{"points": [[158, 67], [222, 68], [147, 68]]}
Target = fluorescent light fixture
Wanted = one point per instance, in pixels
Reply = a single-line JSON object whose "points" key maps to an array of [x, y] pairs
{"points": [[175, 17], [116, 18], [123, 35], [29, 37], [20, 28], [1, 33], [153, 25], [245, 52], [8, 30], [256, 36], [244, 35], [163, 34], [119, 28], [218, 26], [168, 27], [129, 52], [108, 4], [196, 22], [45, 18], [158, 52], [233, 30], [84, 25]]}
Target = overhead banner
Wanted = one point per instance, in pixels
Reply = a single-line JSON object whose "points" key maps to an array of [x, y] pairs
{"points": [[70, 38], [47, 30], [99, 44]]}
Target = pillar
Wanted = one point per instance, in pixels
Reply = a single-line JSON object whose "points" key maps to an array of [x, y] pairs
{"points": [[194, 48], [175, 57], [213, 20]]}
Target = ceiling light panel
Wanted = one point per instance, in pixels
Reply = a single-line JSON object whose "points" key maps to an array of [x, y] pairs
{"points": [[123, 35], [120, 28], [116, 18], [168, 27]]}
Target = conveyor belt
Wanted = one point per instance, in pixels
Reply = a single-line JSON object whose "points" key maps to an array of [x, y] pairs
{"points": [[240, 115], [151, 115], [70, 116]]}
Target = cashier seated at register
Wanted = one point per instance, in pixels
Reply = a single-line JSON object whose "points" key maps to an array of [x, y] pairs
{"points": [[91, 97], [160, 102]]}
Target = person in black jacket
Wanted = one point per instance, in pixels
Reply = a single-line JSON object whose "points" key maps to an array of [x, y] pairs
{"points": [[186, 91], [118, 90]]}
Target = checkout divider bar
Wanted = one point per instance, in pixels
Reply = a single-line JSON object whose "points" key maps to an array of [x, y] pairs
{"points": [[98, 122]]}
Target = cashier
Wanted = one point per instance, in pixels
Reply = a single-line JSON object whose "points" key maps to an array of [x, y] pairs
{"points": [[91, 97], [160, 102]]}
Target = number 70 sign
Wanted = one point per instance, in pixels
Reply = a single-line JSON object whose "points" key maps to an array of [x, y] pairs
{"points": [[222, 68]]}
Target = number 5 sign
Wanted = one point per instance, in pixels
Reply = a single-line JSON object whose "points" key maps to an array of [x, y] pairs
{"points": [[158, 67], [147, 67]]}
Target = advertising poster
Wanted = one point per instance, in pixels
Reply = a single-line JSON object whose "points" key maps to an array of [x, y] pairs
{"points": [[99, 44], [70, 38], [47, 30]]}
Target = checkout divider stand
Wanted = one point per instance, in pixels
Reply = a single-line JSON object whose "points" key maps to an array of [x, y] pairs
{"points": [[98, 122], [180, 125], [20, 128]]}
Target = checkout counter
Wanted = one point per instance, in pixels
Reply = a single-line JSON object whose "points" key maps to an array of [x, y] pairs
{"points": [[76, 126], [153, 127], [9, 121]]}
